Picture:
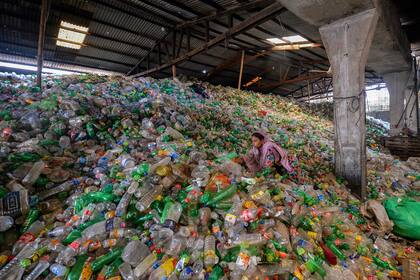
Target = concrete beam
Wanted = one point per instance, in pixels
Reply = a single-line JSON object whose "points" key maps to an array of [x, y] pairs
{"points": [[390, 48], [411, 111], [396, 83], [347, 42]]}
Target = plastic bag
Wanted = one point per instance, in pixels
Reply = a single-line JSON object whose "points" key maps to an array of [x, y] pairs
{"points": [[404, 212]]}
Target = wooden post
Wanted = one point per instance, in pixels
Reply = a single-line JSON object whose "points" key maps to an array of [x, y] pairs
{"points": [[242, 69], [41, 38], [173, 71]]}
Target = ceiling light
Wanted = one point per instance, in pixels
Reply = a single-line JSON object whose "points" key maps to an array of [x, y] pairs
{"points": [[276, 41], [68, 45], [71, 35], [294, 39], [204, 71]]}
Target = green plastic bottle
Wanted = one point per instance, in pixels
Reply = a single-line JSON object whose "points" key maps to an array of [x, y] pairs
{"points": [[382, 263], [77, 268], [314, 265], [232, 254], [222, 195], [337, 252], [216, 274], [90, 130], [32, 216], [106, 259]]}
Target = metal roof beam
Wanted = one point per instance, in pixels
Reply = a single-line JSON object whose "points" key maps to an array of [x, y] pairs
{"points": [[264, 15], [226, 12]]}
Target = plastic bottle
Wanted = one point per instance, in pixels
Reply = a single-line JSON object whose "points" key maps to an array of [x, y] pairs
{"points": [[285, 267], [175, 246], [6, 222], [173, 214], [28, 236], [134, 252], [33, 173], [144, 203], [126, 161], [126, 271], [125, 200], [250, 238], [210, 258], [100, 262], [222, 195], [205, 215], [26, 252], [64, 187], [77, 268], [164, 270], [59, 270], [144, 265], [49, 205], [38, 270], [103, 227], [216, 273]]}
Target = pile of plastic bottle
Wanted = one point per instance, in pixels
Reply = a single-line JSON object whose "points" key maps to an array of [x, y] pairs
{"points": [[118, 178]]}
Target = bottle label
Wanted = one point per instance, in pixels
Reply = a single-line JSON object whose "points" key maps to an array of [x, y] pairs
{"points": [[230, 218], [74, 245], [87, 272], [109, 224], [27, 237]]}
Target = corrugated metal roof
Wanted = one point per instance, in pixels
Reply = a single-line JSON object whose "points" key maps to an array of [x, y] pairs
{"points": [[121, 32]]}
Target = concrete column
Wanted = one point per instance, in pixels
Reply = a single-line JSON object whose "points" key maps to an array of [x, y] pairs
{"points": [[396, 83], [347, 42], [411, 112]]}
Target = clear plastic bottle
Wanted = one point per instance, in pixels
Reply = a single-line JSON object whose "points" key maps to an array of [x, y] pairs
{"points": [[233, 213], [165, 161], [87, 212], [59, 270], [64, 142], [49, 205], [164, 270], [126, 271], [59, 231], [285, 267], [6, 222], [205, 216], [173, 215], [64, 187], [33, 173], [251, 239], [125, 200], [186, 273], [103, 227], [38, 270], [26, 252], [135, 252], [28, 236], [126, 161], [144, 203], [175, 246], [210, 258], [144, 266], [201, 174]]}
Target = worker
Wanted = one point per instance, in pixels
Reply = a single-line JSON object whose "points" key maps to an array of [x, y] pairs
{"points": [[265, 153]]}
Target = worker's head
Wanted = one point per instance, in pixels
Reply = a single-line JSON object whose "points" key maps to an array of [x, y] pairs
{"points": [[257, 139]]}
